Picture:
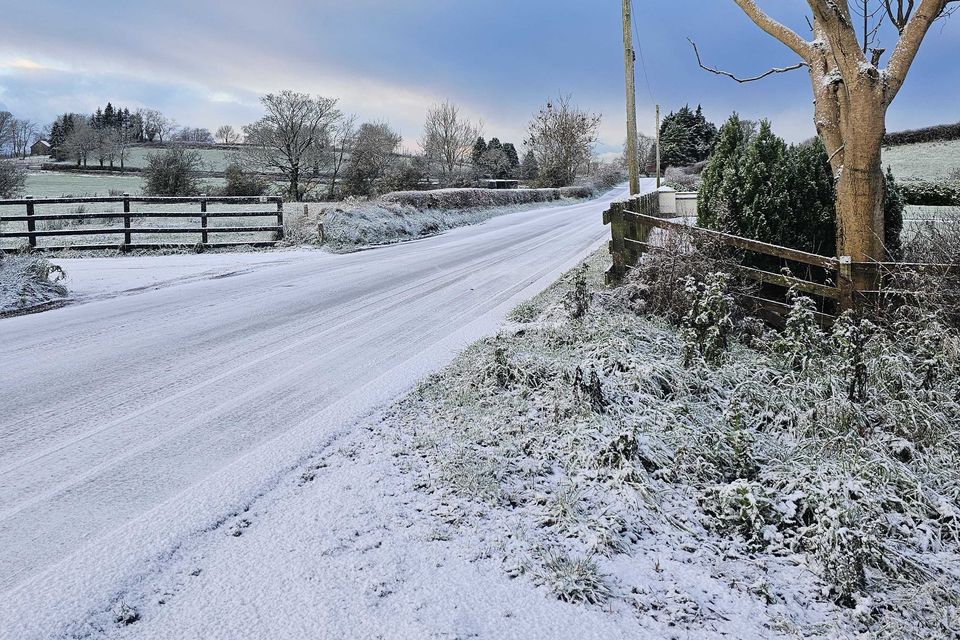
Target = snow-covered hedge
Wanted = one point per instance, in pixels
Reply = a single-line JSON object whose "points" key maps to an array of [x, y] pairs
{"points": [[405, 215], [611, 455], [27, 281], [463, 199], [931, 194]]}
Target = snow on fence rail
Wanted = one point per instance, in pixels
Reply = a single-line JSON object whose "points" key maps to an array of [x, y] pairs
{"points": [[837, 284], [60, 223]]}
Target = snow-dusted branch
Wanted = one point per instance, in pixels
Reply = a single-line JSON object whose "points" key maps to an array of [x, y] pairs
{"points": [[721, 72], [779, 31]]}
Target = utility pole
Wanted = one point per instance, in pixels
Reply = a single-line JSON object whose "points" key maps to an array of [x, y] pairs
{"points": [[658, 146], [629, 60]]}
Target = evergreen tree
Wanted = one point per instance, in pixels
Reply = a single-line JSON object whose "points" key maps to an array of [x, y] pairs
{"points": [[512, 156], [530, 168], [811, 223], [686, 138], [764, 193], [755, 186], [109, 117], [893, 206], [476, 156], [677, 146], [704, 135], [719, 196]]}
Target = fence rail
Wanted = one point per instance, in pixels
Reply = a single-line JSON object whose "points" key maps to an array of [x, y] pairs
{"points": [[203, 231], [845, 283]]}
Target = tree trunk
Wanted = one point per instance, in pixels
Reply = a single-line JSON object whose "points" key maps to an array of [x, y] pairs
{"points": [[295, 183]]}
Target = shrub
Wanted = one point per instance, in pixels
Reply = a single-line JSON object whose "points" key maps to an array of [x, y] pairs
{"points": [[173, 172], [681, 180], [243, 183], [13, 179], [608, 176]]}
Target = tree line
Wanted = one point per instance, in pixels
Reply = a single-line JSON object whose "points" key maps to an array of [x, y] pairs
{"points": [[318, 150]]}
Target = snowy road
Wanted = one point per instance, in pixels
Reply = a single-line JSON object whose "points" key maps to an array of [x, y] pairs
{"points": [[156, 380]]}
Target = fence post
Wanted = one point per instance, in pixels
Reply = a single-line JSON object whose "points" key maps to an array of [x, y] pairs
{"points": [[203, 219], [31, 224], [845, 283], [127, 236], [279, 218], [617, 269]]}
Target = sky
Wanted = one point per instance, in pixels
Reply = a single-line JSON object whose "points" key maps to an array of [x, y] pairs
{"points": [[206, 62]]}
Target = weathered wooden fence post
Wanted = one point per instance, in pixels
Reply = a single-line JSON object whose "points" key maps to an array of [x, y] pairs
{"points": [[279, 218], [617, 270], [845, 283], [127, 235], [203, 220], [31, 224]]}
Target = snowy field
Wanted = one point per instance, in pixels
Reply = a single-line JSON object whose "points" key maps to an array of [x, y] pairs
{"points": [[52, 184], [923, 161], [183, 398], [213, 159]]}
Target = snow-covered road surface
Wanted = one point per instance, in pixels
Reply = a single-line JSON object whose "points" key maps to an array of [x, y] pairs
{"points": [[161, 400]]}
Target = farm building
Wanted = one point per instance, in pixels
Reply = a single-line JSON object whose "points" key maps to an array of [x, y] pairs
{"points": [[499, 184], [40, 148]]}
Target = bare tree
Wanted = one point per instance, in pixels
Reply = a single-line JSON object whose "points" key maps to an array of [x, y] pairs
{"points": [[24, 133], [851, 96], [343, 137], [448, 137], [80, 142], [373, 155], [195, 135], [6, 129], [105, 140], [291, 137], [227, 135], [156, 126], [13, 178], [561, 137]]}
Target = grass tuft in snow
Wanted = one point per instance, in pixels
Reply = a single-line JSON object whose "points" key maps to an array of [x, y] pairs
{"points": [[27, 281]]}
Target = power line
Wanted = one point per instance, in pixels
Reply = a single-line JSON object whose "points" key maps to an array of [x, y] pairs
{"points": [[643, 64]]}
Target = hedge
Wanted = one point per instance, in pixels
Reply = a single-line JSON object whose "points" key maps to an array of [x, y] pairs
{"points": [[931, 194], [460, 199], [938, 133]]}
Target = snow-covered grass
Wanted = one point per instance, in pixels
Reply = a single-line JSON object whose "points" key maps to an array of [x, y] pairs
{"points": [[28, 281], [52, 184], [710, 473], [924, 161], [400, 216]]}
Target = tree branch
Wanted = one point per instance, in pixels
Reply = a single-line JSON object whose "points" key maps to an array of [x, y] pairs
{"points": [[720, 72], [781, 32], [911, 38]]}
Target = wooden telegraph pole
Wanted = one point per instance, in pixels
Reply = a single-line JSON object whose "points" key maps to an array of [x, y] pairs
{"points": [[629, 60], [658, 146]]}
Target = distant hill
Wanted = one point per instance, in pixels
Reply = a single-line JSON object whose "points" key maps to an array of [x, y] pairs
{"points": [[937, 133]]}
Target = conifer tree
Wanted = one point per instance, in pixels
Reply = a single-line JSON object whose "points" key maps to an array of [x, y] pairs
{"points": [[530, 168], [476, 156], [719, 196], [512, 156]]}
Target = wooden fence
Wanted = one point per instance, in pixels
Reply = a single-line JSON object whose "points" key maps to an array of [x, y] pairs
{"points": [[837, 284], [92, 223]]}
